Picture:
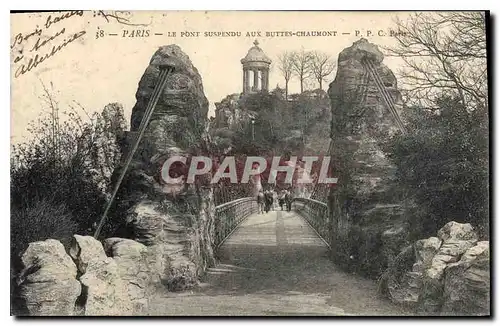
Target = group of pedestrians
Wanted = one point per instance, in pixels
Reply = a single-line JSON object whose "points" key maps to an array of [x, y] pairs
{"points": [[266, 200]]}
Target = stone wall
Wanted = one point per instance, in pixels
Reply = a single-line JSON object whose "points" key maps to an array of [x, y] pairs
{"points": [[366, 212], [444, 275]]}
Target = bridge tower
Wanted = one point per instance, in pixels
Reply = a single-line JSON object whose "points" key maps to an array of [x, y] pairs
{"points": [[256, 69]]}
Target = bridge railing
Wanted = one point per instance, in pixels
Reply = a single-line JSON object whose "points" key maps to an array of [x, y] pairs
{"points": [[316, 214], [229, 215]]}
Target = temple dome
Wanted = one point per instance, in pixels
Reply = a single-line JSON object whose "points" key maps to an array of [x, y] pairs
{"points": [[255, 54]]}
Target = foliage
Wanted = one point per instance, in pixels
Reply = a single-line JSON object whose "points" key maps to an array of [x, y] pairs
{"points": [[443, 166], [280, 125], [40, 220], [61, 173], [443, 162]]}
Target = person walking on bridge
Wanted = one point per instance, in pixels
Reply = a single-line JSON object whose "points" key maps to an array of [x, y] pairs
{"points": [[281, 199], [261, 201], [268, 199], [288, 200]]}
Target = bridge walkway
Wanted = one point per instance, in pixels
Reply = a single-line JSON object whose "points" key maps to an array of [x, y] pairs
{"points": [[275, 264]]}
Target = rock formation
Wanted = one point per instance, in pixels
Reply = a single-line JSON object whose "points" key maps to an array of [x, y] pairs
{"points": [[105, 292], [444, 275], [48, 284], [116, 279], [366, 213], [229, 112], [134, 267], [173, 226], [164, 218], [103, 146]]}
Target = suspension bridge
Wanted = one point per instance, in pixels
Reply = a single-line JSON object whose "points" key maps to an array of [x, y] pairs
{"points": [[275, 264], [279, 262]]}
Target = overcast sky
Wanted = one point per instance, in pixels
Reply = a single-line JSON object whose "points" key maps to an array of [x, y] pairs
{"points": [[95, 72]]}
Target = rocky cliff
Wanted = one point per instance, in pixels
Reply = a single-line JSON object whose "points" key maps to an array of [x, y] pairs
{"points": [[171, 221], [366, 212]]}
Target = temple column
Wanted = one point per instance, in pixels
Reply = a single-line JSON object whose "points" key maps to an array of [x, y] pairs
{"points": [[255, 79], [265, 80], [247, 81], [244, 79]]}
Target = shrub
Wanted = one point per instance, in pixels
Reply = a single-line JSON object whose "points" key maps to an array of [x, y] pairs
{"points": [[40, 220], [443, 167], [60, 176]]}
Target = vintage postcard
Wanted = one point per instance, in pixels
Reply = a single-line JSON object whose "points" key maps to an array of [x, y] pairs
{"points": [[250, 163]]}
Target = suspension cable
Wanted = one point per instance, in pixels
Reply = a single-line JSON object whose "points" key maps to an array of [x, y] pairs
{"points": [[385, 95], [164, 71]]}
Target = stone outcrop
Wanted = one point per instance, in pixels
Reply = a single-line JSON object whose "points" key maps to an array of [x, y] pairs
{"points": [[367, 214], [166, 218], [230, 116], [134, 267], [105, 292], [116, 279], [444, 275], [467, 283], [48, 285], [229, 112], [103, 145]]}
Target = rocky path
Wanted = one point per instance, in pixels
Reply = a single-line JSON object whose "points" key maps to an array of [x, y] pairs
{"points": [[274, 264]]}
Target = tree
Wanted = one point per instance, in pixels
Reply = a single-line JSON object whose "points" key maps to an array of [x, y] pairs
{"points": [[301, 65], [322, 65], [443, 52], [443, 163], [285, 65]]}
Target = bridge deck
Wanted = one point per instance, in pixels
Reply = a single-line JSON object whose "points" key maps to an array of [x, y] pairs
{"points": [[275, 264]]}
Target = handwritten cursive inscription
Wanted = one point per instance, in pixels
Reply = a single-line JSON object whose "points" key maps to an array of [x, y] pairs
{"points": [[51, 21], [39, 59], [39, 43], [20, 38]]}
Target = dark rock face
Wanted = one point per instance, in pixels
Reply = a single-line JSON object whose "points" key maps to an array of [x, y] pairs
{"points": [[230, 116], [166, 218], [182, 98], [367, 215]]}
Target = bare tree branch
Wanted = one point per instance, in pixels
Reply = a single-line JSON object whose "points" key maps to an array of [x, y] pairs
{"points": [[322, 65], [285, 65], [301, 64], [443, 51]]}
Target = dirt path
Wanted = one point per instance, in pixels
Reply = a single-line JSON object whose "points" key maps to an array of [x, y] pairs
{"points": [[274, 264]]}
